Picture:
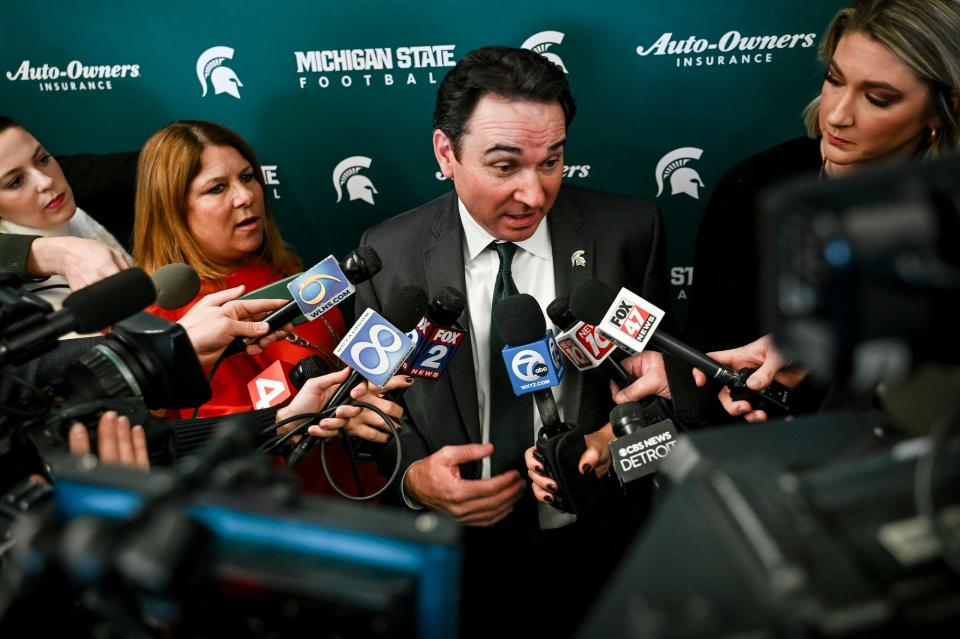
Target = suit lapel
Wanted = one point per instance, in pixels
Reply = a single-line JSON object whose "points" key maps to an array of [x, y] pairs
{"points": [[573, 263], [443, 264]]}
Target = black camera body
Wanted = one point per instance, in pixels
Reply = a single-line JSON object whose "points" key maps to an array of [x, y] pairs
{"points": [[145, 362]]}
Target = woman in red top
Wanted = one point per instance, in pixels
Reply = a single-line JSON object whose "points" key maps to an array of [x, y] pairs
{"points": [[200, 201]]}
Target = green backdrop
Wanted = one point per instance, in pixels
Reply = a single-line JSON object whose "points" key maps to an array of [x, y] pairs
{"points": [[323, 82]]}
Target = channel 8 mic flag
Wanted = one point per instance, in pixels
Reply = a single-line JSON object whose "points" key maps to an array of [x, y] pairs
{"points": [[534, 366], [374, 347], [320, 288]]}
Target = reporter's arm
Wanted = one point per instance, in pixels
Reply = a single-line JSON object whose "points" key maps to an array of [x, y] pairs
{"points": [[770, 366], [218, 318], [81, 261], [313, 398], [14, 253], [369, 425]]}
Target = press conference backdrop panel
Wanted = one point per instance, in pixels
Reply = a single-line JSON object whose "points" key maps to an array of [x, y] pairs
{"points": [[337, 97]]}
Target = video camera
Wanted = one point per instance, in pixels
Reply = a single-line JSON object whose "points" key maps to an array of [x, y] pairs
{"points": [[145, 362], [224, 546], [838, 524]]}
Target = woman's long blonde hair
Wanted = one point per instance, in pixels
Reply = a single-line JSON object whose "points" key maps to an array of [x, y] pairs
{"points": [[925, 36], [169, 162]]}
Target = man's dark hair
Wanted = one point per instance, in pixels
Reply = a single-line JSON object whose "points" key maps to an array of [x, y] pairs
{"points": [[7, 123], [516, 74]]}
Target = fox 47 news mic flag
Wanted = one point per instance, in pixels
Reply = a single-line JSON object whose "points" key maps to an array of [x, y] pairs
{"points": [[374, 347], [631, 321]]}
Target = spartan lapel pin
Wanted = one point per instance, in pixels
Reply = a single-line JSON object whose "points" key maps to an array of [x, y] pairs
{"points": [[576, 259]]}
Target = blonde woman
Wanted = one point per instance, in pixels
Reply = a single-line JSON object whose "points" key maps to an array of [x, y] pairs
{"points": [[890, 93]]}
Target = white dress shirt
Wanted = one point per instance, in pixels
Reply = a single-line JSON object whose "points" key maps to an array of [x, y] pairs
{"points": [[532, 273]]}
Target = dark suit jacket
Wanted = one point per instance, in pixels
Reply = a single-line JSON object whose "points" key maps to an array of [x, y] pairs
{"points": [[104, 186], [623, 243]]}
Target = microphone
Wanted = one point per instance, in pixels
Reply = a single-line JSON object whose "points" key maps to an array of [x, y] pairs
{"points": [[177, 284], [319, 289], [447, 306], [86, 310], [271, 387], [631, 322], [325, 285], [643, 441], [438, 335], [374, 347], [530, 353], [534, 365], [585, 346], [307, 368]]}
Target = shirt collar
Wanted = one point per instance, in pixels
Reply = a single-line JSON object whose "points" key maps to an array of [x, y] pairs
{"points": [[478, 239]]}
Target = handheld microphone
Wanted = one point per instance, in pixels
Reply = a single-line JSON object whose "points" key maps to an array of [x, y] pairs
{"points": [[534, 365], [436, 339], [443, 310], [585, 346], [177, 284], [438, 335], [86, 310], [307, 368], [374, 348], [530, 354], [631, 322], [643, 441], [317, 290]]}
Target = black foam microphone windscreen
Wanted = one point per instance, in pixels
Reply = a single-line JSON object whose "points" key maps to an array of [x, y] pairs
{"points": [[447, 306], [519, 320], [406, 307], [110, 300], [177, 284], [590, 301]]}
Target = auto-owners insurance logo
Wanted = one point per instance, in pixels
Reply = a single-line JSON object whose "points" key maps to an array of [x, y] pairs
{"points": [[731, 49], [73, 76]]}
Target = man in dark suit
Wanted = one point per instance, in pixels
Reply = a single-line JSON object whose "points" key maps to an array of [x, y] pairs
{"points": [[500, 123]]}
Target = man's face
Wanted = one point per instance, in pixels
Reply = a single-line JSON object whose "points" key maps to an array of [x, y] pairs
{"points": [[510, 166]]}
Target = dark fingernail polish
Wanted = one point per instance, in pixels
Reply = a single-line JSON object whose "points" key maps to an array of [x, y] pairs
{"points": [[538, 456], [409, 380], [539, 470], [552, 488], [548, 499], [587, 468]]}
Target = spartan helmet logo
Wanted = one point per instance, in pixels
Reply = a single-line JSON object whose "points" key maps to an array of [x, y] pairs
{"points": [[359, 187], [683, 179], [224, 79], [540, 42]]}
